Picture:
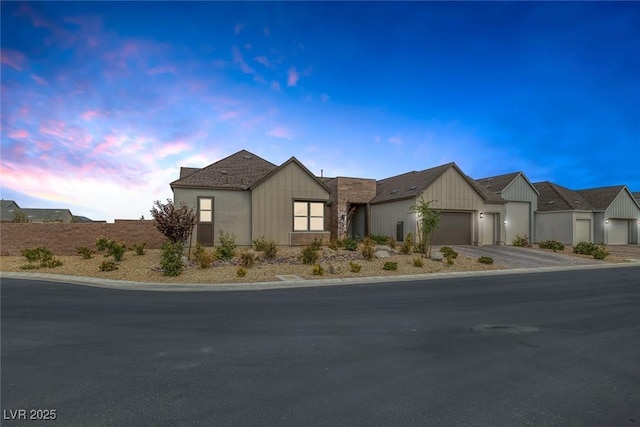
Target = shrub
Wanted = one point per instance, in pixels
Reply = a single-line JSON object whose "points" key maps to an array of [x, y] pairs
{"points": [[485, 260], [585, 248], [247, 259], [259, 244], [241, 272], [203, 257], [448, 252], [175, 223], [390, 265], [350, 244], [113, 248], [367, 248], [270, 249], [41, 255], [420, 247], [417, 262], [600, 253], [309, 255], [449, 260], [355, 267], [171, 258], [316, 244], [318, 270], [85, 252], [107, 266], [392, 242], [226, 248], [334, 244], [140, 249], [407, 245], [521, 241], [380, 240], [552, 244]]}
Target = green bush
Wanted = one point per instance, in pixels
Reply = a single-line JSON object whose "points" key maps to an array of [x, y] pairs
{"points": [[521, 241], [241, 272], [318, 270], [551, 244], [247, 259], [226, 248], [171, 258], [40, 255], [417, 262], [140, 248], [258, 244], [380, 240], [600, 253], [203, 257], [585, 248], [309, 255], [448, 252], [485, 260], [334, 244], [316, 244], [107, 266], [407, 245], [392, 242], [85, 252], [270, 249], [350, 244], [367, 248], [113, 248], [355, 267], [390, 265]]}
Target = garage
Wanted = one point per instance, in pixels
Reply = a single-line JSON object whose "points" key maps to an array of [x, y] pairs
{"points": [[517, 220], [454, 229], [488, 229], [583, 230], [618, 232]]}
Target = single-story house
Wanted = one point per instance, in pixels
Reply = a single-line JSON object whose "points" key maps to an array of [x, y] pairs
{"points": [[8, 209], [521, 204], [48, 215], [616, 214], [461, 202], [251, 197], [349, 213]]}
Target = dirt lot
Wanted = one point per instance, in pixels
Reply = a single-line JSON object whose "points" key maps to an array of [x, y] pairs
{"points": [[146, 268]]}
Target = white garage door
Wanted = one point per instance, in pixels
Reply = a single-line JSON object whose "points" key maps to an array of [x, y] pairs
{"points": [[618, 232], [583, 230], [517, 220], [488, 229]]}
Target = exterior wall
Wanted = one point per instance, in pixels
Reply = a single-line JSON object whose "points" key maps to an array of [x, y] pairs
{"points": [[623, 206], [272, 203], [582, 215], [519, 219], [452, 192], [231, 211], [385, 217], [62, 239], [520, 191], [356, 190], [599, 232], [350, 191], [555, 226], [498, 212]]}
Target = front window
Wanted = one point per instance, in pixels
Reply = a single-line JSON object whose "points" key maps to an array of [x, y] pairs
{"points": [[205, 210], [308, 216]]}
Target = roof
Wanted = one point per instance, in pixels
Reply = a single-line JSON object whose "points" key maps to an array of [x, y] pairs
{"points": [[185, 172], [554, 197], [53, 215], [601, 198], [489, 196], [636, 195], [239, 171], [282, 166], [497, 183], [410, 184], [7, 209], [80, 218]]}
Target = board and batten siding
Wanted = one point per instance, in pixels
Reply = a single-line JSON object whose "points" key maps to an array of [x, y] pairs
{"points": [[623, 206], [452, 192], [272, 202], [385, 217], [519, 190], [231, 211]]}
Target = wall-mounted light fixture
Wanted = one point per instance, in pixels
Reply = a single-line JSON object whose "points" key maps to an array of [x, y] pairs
{"points": [[606, 221], [505, 222], [482, 215]]}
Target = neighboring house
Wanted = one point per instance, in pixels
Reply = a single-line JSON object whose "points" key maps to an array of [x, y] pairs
{"points": [[80, 218], [616, 214], [522, 202], [349, 213], [563, 215], [450, 191], [48, 215], [8, 210], [636, 195], [250, 197]]}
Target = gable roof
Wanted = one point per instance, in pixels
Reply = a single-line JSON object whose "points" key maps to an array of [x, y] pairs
{"points": [[282, 166], [238, 171], [7, 209], [499, 183], [636, 195], [410, 184], [554, 197], [53, 215], [601, 198], [489, 196]]}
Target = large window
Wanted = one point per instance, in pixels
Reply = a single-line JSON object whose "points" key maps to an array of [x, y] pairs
{"points": [[308, 216]]}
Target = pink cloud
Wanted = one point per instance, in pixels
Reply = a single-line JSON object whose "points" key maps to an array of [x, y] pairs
{"points": [[280, 132], [237, 28], [39, 80], [88, 115], [263, 60], [172, 148], [293, 77], [53, 128], [238, 59], [12, 58], [229, 115], [19, 134], [163, 69]]}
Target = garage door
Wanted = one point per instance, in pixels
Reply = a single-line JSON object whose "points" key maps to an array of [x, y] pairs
{"points": [[517, 220], [583, 230], [454, 229], [618, 232], [488, 229]]}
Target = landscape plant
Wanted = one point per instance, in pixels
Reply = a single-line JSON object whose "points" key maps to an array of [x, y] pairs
{"points": [[171, 258], [226, 248], [355, 267], [350, 244], [407, 245], [247, 259], [588, 248], [175, 223], [521, 241], [39, 257], [485, 260], [417, 262], [309, 255], [390, 265], [317, 270], [428, 222], [139, 249], [241, 272], [270, 250], [112, 247], [203, 257], [367, 248], [552, 244], [107, 266], [85, 252]]}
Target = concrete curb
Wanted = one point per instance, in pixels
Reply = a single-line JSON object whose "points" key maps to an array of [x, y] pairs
{"points": [[255, 286]]}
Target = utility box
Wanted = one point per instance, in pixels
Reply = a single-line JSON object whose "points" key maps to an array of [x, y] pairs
{"points": [[400, 231]]}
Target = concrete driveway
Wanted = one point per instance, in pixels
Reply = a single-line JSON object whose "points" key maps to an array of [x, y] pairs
{"points": [[631, 252], [516, 257]]}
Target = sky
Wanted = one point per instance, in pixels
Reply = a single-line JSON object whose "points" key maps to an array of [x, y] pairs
{"points": [[103, 102]]}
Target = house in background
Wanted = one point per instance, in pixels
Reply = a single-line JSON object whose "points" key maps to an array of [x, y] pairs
{"points": [[251, 197], [450, 191], [9, 209], [616, 214], [521, 204]]}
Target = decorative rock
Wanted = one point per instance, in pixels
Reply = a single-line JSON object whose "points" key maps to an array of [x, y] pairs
{"points": [[331, 269], [383, 248], [328, 252], [437, 256], [381, 254]]}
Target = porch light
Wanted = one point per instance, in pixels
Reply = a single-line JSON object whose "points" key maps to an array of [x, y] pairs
{"points": [[606, 221], [505, 222], [482, 215]]}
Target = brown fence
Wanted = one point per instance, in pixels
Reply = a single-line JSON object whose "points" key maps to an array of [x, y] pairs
{"points": [[62, 239]]}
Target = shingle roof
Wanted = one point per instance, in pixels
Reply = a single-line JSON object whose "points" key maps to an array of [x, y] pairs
{"points": [[489, 196], [554, 197], [636, 194], [497, 183], [185, 171], [37, 214], [601, 198], [239, 171]]}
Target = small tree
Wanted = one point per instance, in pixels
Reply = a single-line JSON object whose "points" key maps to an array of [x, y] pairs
{"points": [[19, 216], [428, 222], [176, 223]]}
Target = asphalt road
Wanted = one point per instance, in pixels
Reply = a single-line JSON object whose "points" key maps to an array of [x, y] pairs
{"points": [[533, 349]]}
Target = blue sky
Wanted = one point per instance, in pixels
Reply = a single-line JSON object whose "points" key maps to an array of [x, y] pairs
{"points": [[102, 102]]}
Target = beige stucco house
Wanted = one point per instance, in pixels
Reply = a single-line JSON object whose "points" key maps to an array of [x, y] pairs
{"points": [[251, 197]]}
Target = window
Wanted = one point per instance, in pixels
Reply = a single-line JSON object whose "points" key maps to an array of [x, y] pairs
{"points": [[308, 216], [205, 209]]}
